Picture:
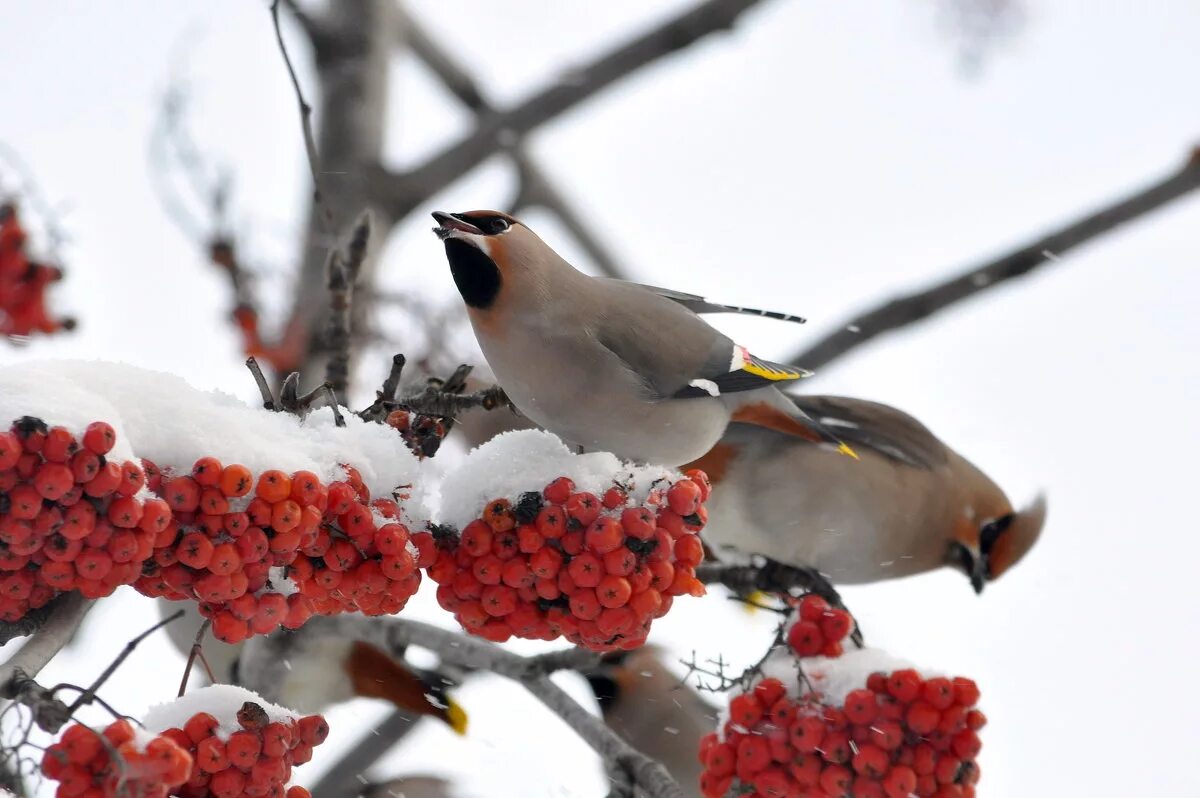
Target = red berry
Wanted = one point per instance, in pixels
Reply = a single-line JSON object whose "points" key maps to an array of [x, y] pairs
{"points": [[99, 437], [745, 710], [813, 608], [905, 685], [805, 638], [558, 491]]}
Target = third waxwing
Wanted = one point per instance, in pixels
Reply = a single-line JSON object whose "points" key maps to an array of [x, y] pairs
{"points": [[911, 504], [607, 364]]}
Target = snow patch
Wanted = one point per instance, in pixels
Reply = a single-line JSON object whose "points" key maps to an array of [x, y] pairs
{"points": [[835, 678], [528, 460], [161, 417], [222, 701]]}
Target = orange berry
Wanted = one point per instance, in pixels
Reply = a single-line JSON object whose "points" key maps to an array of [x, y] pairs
{"points": [[99, 437], [273, 486], [689, 551], [613, 591], [604, 535], [558, 491]]}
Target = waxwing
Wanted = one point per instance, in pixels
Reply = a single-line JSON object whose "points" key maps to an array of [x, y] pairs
{"points": [[911, 504], [607, 364]]}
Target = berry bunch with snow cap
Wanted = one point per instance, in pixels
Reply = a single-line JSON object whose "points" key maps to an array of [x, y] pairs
{"points": [[593, 557], [120, 761], [819, 723], [71, 515], [269, 550], [239, 744]]}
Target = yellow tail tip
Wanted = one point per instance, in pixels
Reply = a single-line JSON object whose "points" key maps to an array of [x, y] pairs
{"points": [[456, 716], [753, 600], [844, 449]]}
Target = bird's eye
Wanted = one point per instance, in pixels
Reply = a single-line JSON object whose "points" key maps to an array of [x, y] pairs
{"points": [[497, 225], [990, 532]]}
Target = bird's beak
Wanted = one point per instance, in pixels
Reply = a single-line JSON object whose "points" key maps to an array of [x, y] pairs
{"points": [[449, 223], [979, 575]]}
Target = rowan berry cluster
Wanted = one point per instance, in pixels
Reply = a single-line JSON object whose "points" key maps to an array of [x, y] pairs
{"points": [[269, 550], [254, 760], [118, 762], [423, 434], [23, 283], [899, 735], [70, 517], [596, 570]]}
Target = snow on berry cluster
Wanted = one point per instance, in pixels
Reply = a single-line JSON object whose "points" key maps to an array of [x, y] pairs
{"points": [[269, 550], [279, 531], [71, 517], [854, 725], [239, 744], [594, 556], [23, 282], [119, 761]]}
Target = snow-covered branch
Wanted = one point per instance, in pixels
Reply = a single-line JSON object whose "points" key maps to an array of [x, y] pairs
{"points": [[18, 673]]}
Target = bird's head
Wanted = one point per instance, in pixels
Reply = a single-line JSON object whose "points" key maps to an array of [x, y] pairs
{"points": [[375, 674], [487, 251], [992, 538]]}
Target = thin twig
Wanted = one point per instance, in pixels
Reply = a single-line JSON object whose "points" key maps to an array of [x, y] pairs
{"points": [[197, 645], [310, 141], [436, 402], [263, 388], [341, 275], [911, 308], [88, 695], [345, 778], [402, 192]]}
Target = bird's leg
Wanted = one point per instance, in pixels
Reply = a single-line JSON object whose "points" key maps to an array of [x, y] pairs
{"points": [[776, 577]]}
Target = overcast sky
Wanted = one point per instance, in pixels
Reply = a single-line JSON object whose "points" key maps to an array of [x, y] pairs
{"points": [[823, 156]]}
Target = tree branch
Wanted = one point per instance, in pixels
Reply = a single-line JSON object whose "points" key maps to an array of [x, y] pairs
{"points": [[346, 778], [395, 635], [535, 188], [401, 193], [17, 674], [909, 309]]}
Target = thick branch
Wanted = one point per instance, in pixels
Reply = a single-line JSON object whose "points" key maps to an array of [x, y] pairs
{"points": [[535, 188], [397, 634], [905, 310], [18, 673], [401, 193]]}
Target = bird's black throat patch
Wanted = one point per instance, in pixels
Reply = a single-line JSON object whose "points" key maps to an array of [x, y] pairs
{"points": [[475, 274]]}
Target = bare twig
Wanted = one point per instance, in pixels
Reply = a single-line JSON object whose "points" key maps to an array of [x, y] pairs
{"points": [[909, 309], [434, 401], [317, 31], [401, 193], [89, 694], [263, 388], [310, 141], [197, 651], [377, 411], [342, 272], [536, 189]]}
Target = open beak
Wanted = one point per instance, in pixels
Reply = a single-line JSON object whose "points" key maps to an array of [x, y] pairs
{"points": [[450, 222]]}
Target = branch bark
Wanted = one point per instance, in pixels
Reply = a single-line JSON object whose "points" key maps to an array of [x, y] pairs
{"points": [[400, 193], [535, 187], [18, 673], [453, 648], [911, 308], [357, 38]]}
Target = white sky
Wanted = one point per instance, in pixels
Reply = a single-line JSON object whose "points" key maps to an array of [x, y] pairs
{"points": [[820, 158]]}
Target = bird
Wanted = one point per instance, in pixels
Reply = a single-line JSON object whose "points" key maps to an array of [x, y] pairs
{"points": [[656, 712], [909, 505], [310, 671], [608, 364]]}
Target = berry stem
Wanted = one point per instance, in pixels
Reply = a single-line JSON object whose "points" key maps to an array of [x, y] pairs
{"points": [[193, 654]]}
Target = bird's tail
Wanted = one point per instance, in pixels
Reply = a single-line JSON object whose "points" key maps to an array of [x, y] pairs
{"points": [[771, 409]]}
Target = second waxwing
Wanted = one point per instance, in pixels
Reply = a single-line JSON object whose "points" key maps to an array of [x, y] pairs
{"points": [[607, 364], [911, 504]]}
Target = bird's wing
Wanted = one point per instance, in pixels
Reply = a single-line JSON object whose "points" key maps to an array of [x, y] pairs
{"points": [[877, 427], [675, 352], [698, 304]]}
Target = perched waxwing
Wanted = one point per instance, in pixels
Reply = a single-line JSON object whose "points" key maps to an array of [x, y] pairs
{"points": [[310, 671], [607, 364], [642, 700], [911, 504]]}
